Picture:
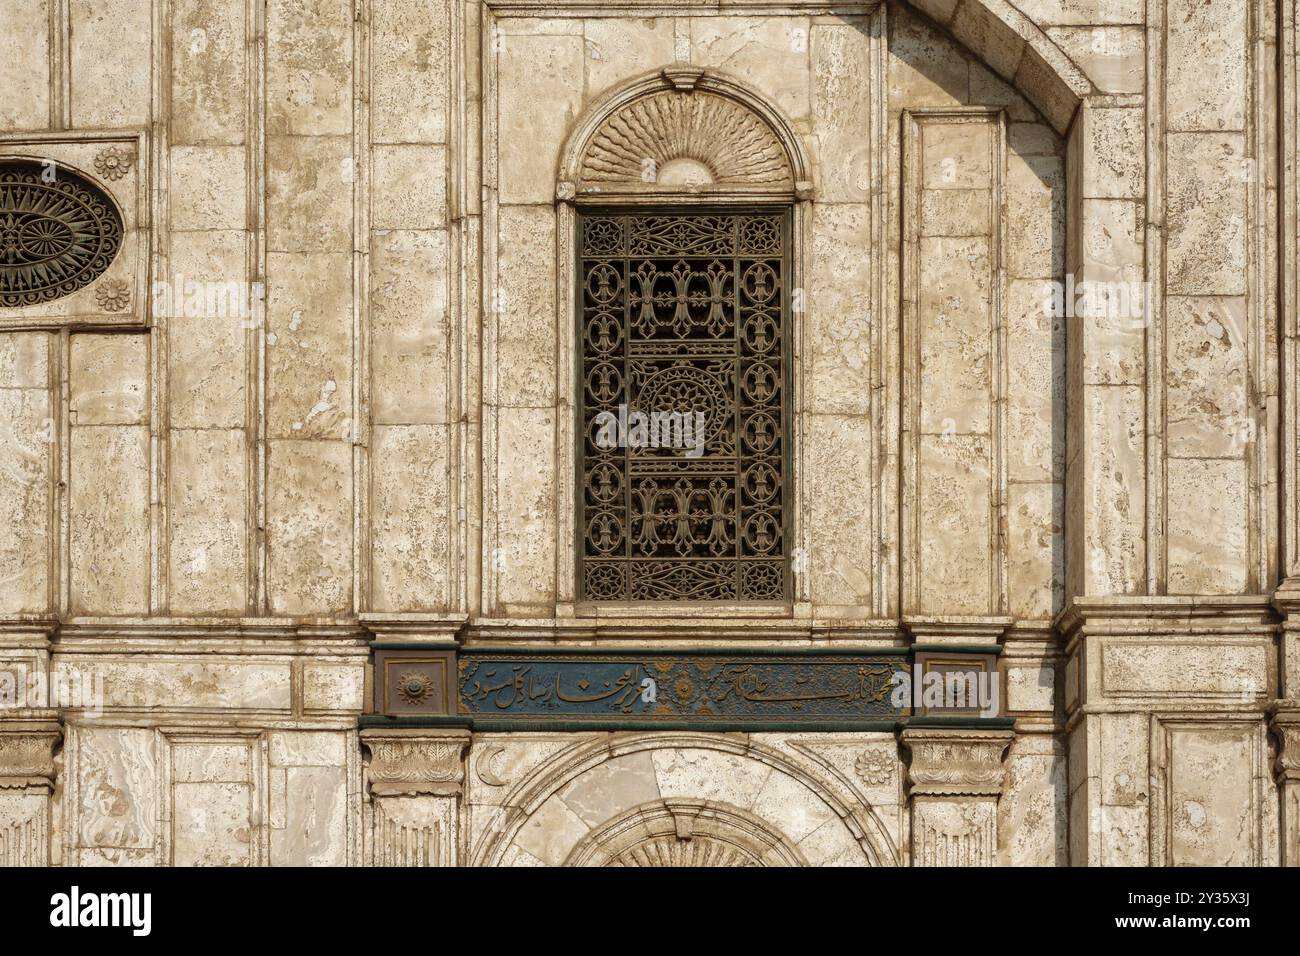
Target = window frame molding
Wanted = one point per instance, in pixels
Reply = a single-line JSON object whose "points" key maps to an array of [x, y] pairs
{"points": [[570, 200]]}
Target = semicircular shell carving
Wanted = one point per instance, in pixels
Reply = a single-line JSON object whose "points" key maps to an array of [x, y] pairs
{"points": [[712, 141]]}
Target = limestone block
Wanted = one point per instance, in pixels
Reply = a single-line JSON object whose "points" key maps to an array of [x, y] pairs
{"points": [[770, 53], [110, 56], [841, 108], [410, 517], [182, 682], [1206, 62], [209, 99], [837, 449], [108, 379], [838, 346], [1032, 809], [309, 193], [1210, 814], [1035, 384], [309, 346], [408, 187], [1207, 515], [1035, 216], [953, 554], [330, 688], [1236, 671], [612, 788], [1207, 178], [409, 327], [212, 824], [925, 68], [26, 467], [1112, 57], [1205, 377], [211, 309], [524, 555], [525, 317], [24, 360], [116, 787], [1083, 11], [533, 70], [1110, 489], [207, 512], [618, 49], [309, 527], [309, 67], [109, 519], [1036, 548], [25, 66], [409, 57], [208, 187], [1114, 153], [710, 775], [954, 319], [315, 813]]}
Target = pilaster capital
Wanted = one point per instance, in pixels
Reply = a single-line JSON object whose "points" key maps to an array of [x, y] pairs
{"points": [[1285, 726], [953, 762], [416, 760], [27, 752]]}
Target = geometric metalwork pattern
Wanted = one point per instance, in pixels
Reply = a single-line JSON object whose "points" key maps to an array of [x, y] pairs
{"points": [[58, 232], [700, 688], [683, 410]]}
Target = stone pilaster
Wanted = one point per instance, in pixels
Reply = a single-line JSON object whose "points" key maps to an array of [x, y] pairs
{"points": [[955, 779], [416, 778], [1285, 722], [27, 774]]}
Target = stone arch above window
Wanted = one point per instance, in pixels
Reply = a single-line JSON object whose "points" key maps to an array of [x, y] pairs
{"points": [[683, 133]]}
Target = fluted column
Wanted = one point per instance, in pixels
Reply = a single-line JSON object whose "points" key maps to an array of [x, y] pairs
{"points": [[26, 781], [955, 779], [415, 779]]}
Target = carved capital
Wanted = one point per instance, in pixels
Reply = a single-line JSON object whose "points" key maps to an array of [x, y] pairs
{"points": [[956, 762], [416, 761], [1286, 728], [27, 752]]}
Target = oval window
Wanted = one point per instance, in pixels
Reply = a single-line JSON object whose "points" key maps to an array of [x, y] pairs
{"points": [[59, 232]]}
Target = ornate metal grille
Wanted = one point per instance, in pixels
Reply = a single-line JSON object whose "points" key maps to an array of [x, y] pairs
{"points": [[57, 235], [682, 322]]}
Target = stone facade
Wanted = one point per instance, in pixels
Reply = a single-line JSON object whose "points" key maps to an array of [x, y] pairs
{"points": [[321, 403]]}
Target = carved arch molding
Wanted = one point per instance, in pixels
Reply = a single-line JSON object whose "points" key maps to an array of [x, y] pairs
{"points": [[691, 800], [682, 133]]}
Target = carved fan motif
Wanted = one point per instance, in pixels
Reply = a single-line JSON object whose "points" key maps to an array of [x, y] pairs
{"points": [[675, 139]]}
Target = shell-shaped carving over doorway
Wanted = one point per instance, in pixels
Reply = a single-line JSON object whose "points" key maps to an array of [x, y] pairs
{"points": [[683, 133], [685, 139]]}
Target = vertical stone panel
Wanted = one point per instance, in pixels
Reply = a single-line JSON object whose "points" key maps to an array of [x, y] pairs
{"points": [[25, 64], [216, 800], [310, 181], [27, 444], [532, 70], [953, 357], [111, 58], [409, 57], [409, 327], [209, 72], [525, 319], [109, 493], [523, 558], [309, 799], [115, 816], [1205, 47], [309, 531], [208, 510], [409, 504]]}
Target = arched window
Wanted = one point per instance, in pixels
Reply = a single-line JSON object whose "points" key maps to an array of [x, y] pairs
{"points": [[683, 222]]}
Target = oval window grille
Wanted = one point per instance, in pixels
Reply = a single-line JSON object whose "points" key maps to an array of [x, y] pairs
{"points": [[58, 233]]}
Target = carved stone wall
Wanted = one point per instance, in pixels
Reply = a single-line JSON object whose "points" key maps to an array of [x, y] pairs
{"points": [[322, 395]]}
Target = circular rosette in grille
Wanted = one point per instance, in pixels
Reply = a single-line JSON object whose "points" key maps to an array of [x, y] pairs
{"points": [[59, 232], [686, 390]]}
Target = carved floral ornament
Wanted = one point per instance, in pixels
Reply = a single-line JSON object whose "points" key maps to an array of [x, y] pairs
{"points": [[682, 132]]}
